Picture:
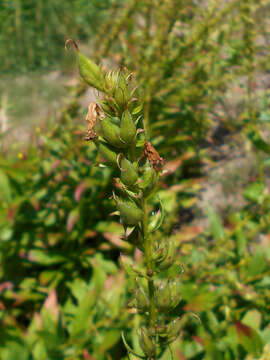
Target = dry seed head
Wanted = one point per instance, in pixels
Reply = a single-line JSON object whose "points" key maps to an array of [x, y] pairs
{"points": [[151, 153]]}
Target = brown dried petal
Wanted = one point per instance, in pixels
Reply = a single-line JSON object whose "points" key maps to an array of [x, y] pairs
{"points": [[94, 112], [151, 153]]}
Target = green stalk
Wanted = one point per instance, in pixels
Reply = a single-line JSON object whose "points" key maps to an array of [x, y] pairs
{"points": [[147, 245]]}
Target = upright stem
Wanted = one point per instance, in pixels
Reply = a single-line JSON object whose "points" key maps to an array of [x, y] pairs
{"points": [[151, 288]]}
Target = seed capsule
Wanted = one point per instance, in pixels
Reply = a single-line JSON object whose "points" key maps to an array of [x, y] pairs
{"points": [[159, 251], [127, 128], [163, 297], [169, 333], [111, 133], [135, 238], [142, 301], [150, 179], [91, 72], [111, 81], [109, 155], [167, 296], [121, 93], [129, 212], [173, 329], [168, 261], [129, 175], [147, 344]]}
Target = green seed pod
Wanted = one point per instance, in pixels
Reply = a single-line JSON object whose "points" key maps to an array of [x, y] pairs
{"points": [[129, 212], [129, 175], [149, 180], [105, 106], [111, 80], [127, 128], [91, 72], [174, 329], [121, 93], [168, 261], [167, 296], [135, 238], [142, 301], [160, 251], [175, 296], [109, 155], [161, 330], [147, 344], [163, 297], [111, 133]]}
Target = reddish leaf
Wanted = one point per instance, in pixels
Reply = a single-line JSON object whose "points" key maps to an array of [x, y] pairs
{"points": [[116, 239], [171, 166], [72, 219], [180, 355], [5, 285], [249, 339], [87, 356], [51, 304], [79, 190]]}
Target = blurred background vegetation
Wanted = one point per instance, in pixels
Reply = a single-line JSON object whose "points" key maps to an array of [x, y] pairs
{"points": [[204, 69]]}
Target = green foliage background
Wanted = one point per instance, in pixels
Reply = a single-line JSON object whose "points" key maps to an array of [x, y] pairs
{"points": [[32, 31], [63, 292]]}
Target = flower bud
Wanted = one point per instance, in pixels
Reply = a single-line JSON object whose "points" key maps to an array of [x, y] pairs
{"points": [[127, 128], [109, 155], [91, 72], [111, 133], [129, 175], [130, 213], [147, 344]]}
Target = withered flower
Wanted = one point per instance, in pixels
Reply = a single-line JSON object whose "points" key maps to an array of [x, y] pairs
{"points": [[94, 111], [151, 153]]}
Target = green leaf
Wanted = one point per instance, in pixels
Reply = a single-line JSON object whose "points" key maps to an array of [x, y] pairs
{"points": [[257, 264], [15, 351], [253, 318], [241, 241], [257, 141], [73, 217], [254, 192], [5, 192], [216, 227], [42, 258], [110, 339], [249, 339]]}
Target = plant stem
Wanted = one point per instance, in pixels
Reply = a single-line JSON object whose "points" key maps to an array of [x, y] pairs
{"points": [[151, 289]]}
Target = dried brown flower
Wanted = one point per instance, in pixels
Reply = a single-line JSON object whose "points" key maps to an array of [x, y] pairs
{"points": [[94, 111], [151, 153]]}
